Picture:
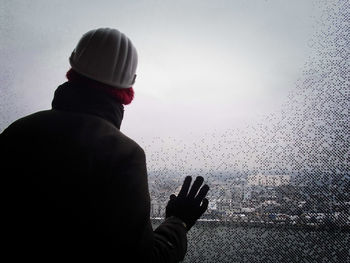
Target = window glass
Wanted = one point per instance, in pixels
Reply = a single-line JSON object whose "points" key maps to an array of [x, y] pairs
{"points": [[252, 95]]}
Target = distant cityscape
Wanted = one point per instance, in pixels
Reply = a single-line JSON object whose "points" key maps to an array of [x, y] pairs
{"points": [[267, 199]]}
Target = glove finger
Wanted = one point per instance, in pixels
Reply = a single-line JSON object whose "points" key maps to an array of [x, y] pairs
{"points": [[195, 187], [184, 189], [170, 205], [171, 201], [201, 194], [204, 206]]}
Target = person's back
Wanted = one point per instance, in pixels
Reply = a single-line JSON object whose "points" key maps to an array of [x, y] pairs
{"points": [[62, 161], [76, 187]]}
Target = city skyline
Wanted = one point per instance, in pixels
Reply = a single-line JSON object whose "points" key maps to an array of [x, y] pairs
{"points": [[287, 203]]}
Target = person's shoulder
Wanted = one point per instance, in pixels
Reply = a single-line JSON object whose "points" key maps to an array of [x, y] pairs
{"points": [[108, 141], [120, 142], [23, 122]]}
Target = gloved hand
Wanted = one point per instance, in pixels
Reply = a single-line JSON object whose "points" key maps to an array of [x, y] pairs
{"points": [[189, 205]]}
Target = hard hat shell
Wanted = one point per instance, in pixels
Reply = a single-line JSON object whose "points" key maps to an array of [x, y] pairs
{"points": [[106, 55]]}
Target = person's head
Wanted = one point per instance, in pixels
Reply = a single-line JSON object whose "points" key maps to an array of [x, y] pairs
{"points": [[105, 58]]}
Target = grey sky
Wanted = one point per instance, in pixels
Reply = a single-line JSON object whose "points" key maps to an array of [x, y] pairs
{"points": [[204, 65]]}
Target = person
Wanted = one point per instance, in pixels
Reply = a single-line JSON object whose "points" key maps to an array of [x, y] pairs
{"points": [[75, 187]]}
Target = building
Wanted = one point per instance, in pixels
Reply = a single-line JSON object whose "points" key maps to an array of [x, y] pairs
{"points": [[268, 180], [157, 209], [237, 194]]}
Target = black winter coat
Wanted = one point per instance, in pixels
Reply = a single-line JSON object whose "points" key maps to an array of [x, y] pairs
{"points": [[76, 187]]}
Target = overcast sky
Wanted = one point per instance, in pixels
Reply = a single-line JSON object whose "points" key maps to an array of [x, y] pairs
{"points": [[212, 62], [204, 66]]}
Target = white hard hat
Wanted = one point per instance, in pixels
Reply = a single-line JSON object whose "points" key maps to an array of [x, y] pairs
{"points": [[106, 55]]}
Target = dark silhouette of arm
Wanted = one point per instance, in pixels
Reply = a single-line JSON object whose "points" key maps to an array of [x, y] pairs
{"points": [[168, 242]]}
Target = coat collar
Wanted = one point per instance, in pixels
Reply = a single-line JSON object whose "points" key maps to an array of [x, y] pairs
{"points": [[72, 97]]}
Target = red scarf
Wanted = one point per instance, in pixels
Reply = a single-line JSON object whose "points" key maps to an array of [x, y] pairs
{"points": [[124, 96]]}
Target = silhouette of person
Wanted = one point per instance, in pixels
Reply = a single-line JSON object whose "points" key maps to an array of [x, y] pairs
{"points": [[75, 187]]}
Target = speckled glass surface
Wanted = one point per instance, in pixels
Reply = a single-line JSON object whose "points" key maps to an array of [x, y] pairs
{"points": [[280, 185]]}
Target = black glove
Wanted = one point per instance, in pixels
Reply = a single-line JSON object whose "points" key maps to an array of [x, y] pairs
{"points": [[187, 205]]}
